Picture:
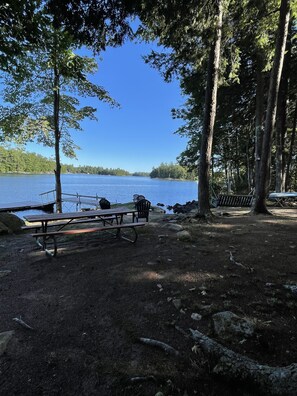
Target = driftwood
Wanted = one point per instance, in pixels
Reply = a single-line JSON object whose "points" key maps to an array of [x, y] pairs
{"points": [[267, 380], [22, 323], [167, 348], [143, 379], [239, 264], [235, 262]]}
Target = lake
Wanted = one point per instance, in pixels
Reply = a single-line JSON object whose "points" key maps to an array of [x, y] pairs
{"points": [[117, 189]]}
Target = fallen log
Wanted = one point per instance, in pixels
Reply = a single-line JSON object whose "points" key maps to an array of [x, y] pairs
{"points": [[277, 381]]}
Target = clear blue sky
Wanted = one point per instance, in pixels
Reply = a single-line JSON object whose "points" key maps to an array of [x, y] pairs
{"points": [[139, 135]]}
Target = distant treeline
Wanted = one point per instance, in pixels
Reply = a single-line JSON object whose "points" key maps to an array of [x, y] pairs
{"points": [[19, 161], [94, 170], [172, 171]]}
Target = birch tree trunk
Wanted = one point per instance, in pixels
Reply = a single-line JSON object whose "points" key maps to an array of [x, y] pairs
{"points": [[209, 117], [275, 76]]}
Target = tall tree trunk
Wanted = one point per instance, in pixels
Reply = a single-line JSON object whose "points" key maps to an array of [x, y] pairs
{"points": [[259, 116], [57, 140], [292, 143], [275, 76], [209, 117], [281, 123]]}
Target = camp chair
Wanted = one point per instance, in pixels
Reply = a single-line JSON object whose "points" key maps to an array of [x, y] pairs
{"points": [[105, 204], [143, 208], [137, 197]]}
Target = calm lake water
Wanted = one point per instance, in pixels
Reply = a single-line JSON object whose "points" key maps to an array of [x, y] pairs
{"points": [[18, 188]]}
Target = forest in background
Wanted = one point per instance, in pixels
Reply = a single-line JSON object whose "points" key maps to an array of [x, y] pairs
{"points": [[19, 161]]}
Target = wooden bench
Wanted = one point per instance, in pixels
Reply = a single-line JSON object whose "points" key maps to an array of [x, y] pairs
{"points": [[235, 200], [51, 235]]}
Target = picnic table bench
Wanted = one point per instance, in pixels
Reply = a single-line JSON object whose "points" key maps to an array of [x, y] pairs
{"points": [[47, 238]]}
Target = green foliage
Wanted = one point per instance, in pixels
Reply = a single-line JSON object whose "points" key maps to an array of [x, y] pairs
{"points": [[30, 113], [141, 174], [184, 30], [96, 170], [19, 161], [171, 171], [20, 23], [97, 24]]}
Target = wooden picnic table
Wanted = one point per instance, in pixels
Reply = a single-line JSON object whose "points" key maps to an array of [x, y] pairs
{"points": [[283, 199], [70, 217], [62, 220]]}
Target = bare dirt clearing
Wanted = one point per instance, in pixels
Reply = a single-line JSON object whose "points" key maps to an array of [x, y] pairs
{"points": [[90, 305]]}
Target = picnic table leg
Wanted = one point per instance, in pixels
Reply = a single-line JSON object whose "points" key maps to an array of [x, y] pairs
{"points": [[44, 245], [131, 237]]}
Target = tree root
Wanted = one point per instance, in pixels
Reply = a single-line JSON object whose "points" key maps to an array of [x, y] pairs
{"points": [[278, 381]]}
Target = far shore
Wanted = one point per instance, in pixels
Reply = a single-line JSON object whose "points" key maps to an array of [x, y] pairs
{"points": [[94, 174]]}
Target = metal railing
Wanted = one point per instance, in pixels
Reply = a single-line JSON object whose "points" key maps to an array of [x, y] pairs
{"points": [[77, 199]]}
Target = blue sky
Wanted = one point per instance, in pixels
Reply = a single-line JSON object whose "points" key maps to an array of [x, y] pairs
{"points": [[139, 135]]}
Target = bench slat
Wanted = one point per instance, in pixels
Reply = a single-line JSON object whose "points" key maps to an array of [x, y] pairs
{"points": [[87, 230], [235, 200]]}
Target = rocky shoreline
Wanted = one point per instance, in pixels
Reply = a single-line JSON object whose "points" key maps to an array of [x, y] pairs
{"points": [[186, 208]]}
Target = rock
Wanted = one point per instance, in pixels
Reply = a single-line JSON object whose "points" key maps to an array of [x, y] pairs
{"points": [[152, 263], [292, 288], [175, 227], [177, 303], [184, 236], [207, 309], [12, 222], [227, 325], [157, 209], [3, 229], [4, 273], [186, 208], [196, 316], [4, 339], [162, 238]]}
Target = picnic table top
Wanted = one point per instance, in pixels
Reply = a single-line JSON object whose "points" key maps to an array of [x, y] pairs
{"points": [[283, 195], [46, 217]]}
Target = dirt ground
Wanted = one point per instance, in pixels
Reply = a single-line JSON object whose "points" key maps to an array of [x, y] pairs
{"points": [[89, 306]]}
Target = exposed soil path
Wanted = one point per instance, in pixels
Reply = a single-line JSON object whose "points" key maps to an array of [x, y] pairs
{"points": [[89, 306]]}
